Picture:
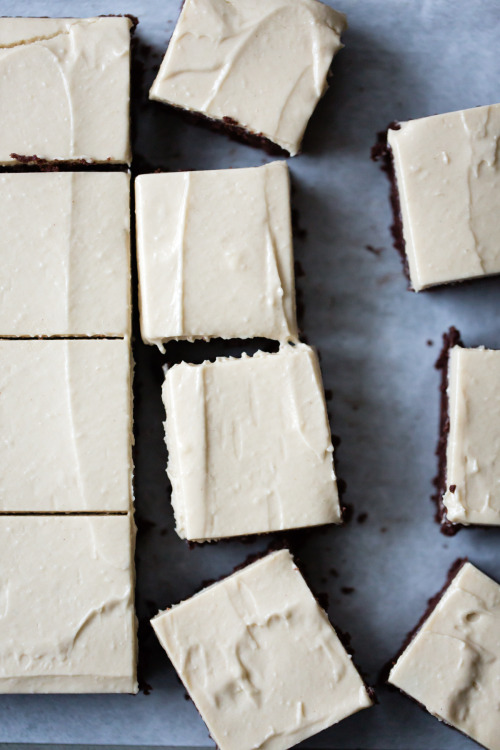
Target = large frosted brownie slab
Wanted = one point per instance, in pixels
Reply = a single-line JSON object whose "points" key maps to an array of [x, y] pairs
{"points": [[65, 88], [215, 254], [472, 493], [65, 411], [448, 180], [259, 658], [67, 622], [65, 249], [452, 664], [257, 67], [249, 445]]}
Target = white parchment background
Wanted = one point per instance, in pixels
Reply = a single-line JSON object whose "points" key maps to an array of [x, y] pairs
{"points": [[402, 59]]}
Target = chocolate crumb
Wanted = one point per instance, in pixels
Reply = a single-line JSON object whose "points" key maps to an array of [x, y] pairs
{"points": [[362, 517], [348, 589], [453, 487], [374, 250]]}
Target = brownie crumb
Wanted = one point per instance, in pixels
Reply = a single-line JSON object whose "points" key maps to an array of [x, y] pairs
{"points": [[348, 589], [429, 342], [374, 250], [334, 572], [347, 512], [453, 487], [362, 517]]}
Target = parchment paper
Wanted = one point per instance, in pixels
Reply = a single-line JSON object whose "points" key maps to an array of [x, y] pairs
{"points": [[378, 343]]}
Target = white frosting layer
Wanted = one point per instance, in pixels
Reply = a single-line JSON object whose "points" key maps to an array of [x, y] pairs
{"points": [[260, 660], [65, 410], [65, 249], [67, 622], [473, 452], [215, 254], [65, 88], [249, 445], [448, 176], [264, 65], [452, 666]]}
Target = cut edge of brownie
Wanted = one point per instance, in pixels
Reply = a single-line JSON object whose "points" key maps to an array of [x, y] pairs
{"points": [[450, 339], [229, 127], [382, 152]]}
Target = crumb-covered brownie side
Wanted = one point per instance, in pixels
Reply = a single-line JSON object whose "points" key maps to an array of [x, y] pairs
{"points": [[451, 665], [260, 659], [451, 339], [215, 254], [249, 444], [448, 184], [257, 68], [65, 89]]}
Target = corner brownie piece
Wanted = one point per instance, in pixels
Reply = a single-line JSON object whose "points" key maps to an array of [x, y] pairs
{"points": [[448, 184], [67, 621], [65, 249], [452, 664], [259, 68], [215, 254], [65, 89], [260, 659], [249, 445]]}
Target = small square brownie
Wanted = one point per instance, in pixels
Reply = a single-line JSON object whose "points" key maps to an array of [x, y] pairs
{"points": [[215, 254], [451, 665], [249, 445], [65, 89], [67, 621], [257, 68], [448, 182], [66, 416], [65, 249], [260, 659]]}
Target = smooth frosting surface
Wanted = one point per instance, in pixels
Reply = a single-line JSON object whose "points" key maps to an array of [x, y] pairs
{"points": [[448, 176], [260, 659], [215, 254], [262, 64], [452, 665], [65, 410], [67, 622], [65, 248], [473, 451], [65, 88], [249, 445]]}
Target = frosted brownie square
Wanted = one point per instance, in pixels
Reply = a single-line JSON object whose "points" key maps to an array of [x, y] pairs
{"points": [[260, 659], [65, 89], [448, 181], [249, 445], [65, 411], [452, 664], [472, 482], [67, 622], [65, 248], [215, 254], [256, 69]]}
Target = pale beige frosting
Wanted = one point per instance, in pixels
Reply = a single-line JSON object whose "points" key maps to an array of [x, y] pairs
{"points": [[65, 410], [249, 445], [260, 659], [65, 88], [65, 249], [67, 622], [215, 254], [448, 177], [262, 64], [473, 451], [452, 665]]}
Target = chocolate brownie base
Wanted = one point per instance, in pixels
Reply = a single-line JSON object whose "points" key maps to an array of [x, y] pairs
{"points": [[450, 339], [34, 163], [232, 129], [382, 152]]}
